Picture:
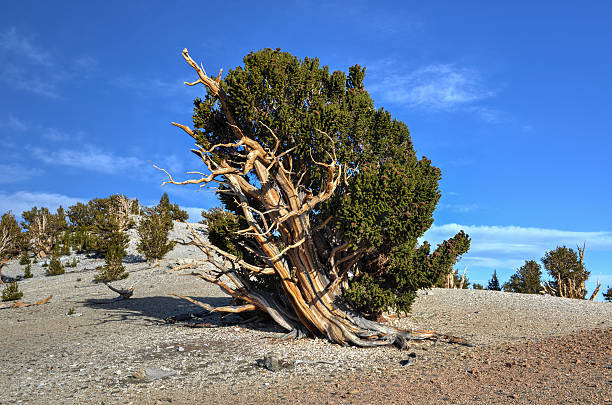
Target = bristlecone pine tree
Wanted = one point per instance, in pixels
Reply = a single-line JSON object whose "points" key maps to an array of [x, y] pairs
{"points": [[568, 273], [153, 232], [12, 241], [526, 280], [325, 200], [43, 229]]}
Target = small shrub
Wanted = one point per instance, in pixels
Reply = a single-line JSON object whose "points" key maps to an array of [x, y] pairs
{"points": [[25, 258], [79, 279], [71, 311], [11, 292], [477, 286], [45, 264], [27, 272], [55, 267]]}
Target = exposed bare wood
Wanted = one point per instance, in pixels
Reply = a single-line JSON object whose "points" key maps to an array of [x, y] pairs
{"points": [[462, 281], [21, 304], [281, 235], [124, 294], [596, 291]]}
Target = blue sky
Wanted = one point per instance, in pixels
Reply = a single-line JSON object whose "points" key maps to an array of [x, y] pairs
{"points": [[511, 101]]}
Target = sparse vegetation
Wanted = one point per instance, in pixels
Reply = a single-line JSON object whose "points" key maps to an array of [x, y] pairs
{"points": [[11, 292], [477, 286]]}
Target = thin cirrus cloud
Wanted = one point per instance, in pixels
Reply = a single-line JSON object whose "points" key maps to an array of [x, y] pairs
{"points": [[14, 172], [21, 45], [26, 66], [89, 158], [21, 201], [509, 246], [433, 87]]}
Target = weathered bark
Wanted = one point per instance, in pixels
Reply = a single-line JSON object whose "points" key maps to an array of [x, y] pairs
{"points": [[309, 303]]}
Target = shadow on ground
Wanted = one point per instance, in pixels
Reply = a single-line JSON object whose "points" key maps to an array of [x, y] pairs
{"points": [[171, 310]]}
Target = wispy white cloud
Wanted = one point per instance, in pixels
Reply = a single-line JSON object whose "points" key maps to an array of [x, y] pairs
{"points": [[15, 172], [509, 246], [432, 87], [24, 46], [89, 158], [21, 201], [56, 135], [15, 124], [27, 66], [459, 208]]}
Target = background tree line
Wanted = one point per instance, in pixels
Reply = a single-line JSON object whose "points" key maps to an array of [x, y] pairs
{"points": [[96, 228]]}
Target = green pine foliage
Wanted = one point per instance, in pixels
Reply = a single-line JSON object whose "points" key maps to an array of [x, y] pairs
{"points": [[43, 229], [55, 267], [115, 245], [175, 212], [383, 205], [526, 280], [477, 286], [564, 265], [153, 232], [27, 272], [11, 292], [608, 294], [494, 282]]}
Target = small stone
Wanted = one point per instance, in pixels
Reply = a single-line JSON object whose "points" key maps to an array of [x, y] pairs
{"points": [[271, 362], [181, 349]]}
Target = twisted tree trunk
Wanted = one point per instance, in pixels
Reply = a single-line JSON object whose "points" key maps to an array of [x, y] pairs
{"points": [[310, 303]]}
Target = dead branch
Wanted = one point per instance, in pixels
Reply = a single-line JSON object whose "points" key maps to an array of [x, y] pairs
{"points": [[123, 294], [596, 291], [21, 304], [226, 309]]}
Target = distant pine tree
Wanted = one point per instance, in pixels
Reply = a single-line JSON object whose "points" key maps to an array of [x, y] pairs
{"points": [[494, 283], [526, 280]]}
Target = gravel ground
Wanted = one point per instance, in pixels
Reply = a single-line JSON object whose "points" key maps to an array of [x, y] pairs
{"points": [[86, 347]]}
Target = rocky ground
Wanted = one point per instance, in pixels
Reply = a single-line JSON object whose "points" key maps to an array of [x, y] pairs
{"points": [[86, 347]]}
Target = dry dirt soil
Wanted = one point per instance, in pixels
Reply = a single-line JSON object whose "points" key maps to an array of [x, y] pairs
{"points": [[86, 347]]}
